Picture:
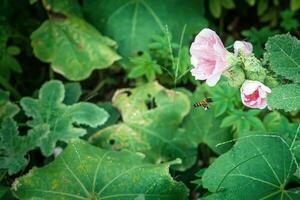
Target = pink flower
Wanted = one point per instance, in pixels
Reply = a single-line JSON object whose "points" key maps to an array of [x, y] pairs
{"points": [[245, 47], [209, 57], [254, 94]]}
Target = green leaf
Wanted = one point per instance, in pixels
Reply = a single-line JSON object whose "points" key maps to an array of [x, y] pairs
{"points": [[243, 121], [72, 93], [276, 122], [251, 2], [257, 167], [285, 97], [14, 147], [151, 118], [228, 4], [7, 109], [295, 5], [86, 172], [49, 109], [203, 127], [133, 23], [262, 7], [65, 7], [215, 7], [258, 38], [73, 47], [144, 66], [284, 56]]}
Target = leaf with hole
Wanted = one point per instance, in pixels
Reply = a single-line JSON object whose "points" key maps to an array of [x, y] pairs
{"points": [[88, 172], [151, 118]]}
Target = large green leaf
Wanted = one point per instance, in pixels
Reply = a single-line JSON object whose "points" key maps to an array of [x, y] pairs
{"points": [[284, 55], [258, 167], [285, 97], [133, 23], [73, 47], [49, 109], [151, 118], [86, 172], [14, 147]]}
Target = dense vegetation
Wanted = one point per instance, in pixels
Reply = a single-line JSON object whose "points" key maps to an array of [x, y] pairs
{"points": [[96, 99]]}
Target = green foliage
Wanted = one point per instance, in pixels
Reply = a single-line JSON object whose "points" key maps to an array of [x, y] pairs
{"points": [[144, 66], [252, 170], [295, 5], [133, 23], [215, 6], [73, 47], [243, 121], [258, 38], [151, 117], [72, 93], [289, 23], [48, 109], [283, 53], [203, 127], [225, 98], [14, 147], [88, 172], [285, 97]]}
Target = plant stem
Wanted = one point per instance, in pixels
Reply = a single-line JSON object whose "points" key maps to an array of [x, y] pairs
{"points": [[10, 88]]}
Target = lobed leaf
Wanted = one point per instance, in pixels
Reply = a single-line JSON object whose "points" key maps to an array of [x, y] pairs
{"points": [[14, 147], [73, 47], [49, 109], [7, 109], [87, 172], [151, 118]]}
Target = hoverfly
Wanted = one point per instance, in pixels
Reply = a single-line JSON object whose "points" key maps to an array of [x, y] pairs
{"points": [[204, 103]]}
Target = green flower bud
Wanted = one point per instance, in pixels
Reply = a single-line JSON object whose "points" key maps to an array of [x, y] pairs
{"points": [[253, 69], [233, 60], [235, 76]]}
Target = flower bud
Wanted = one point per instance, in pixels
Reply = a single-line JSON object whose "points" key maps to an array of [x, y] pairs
{"points": [[242, 47], [235, 76], [253, 69]]}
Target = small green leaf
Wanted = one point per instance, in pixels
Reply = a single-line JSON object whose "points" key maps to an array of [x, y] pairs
{"points": [[72, 93], [49, 109], [13, 50], [86, 172], [7, 109], [253, 169], [284, 57], [73, 47], [285, 97], [262, 7], [215, 7], [251, 2], [228, 4], [144, 66]]}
